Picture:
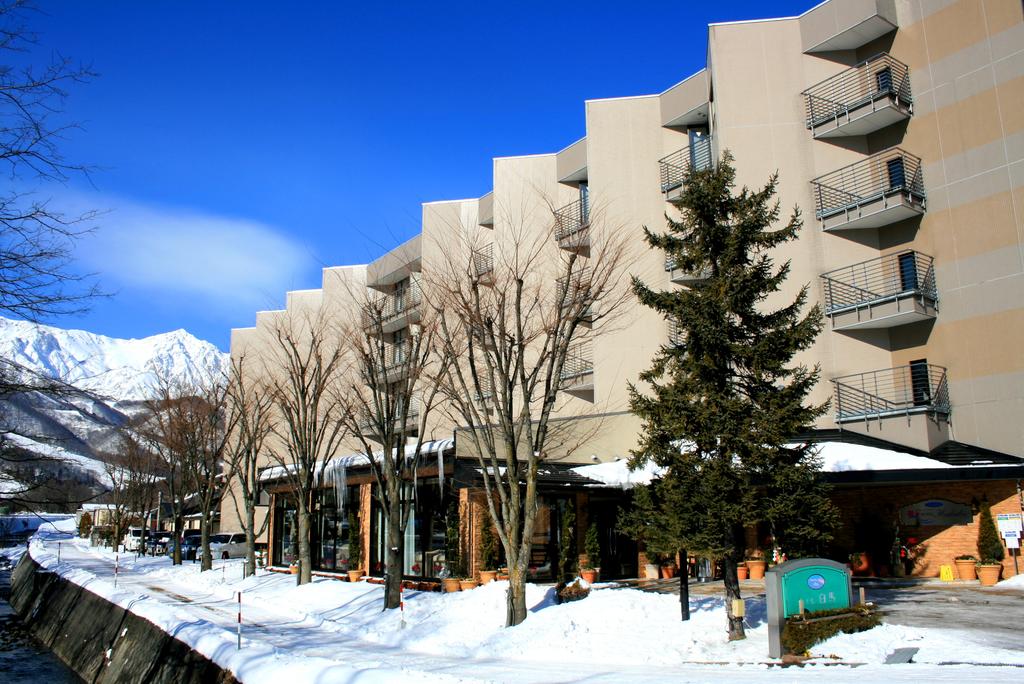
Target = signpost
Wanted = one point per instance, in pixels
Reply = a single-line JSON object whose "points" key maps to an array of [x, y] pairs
{"points": [[1010, 527], [809, 583]]}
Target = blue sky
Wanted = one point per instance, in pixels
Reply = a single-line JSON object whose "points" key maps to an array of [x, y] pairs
{"points": [[242, 146]]}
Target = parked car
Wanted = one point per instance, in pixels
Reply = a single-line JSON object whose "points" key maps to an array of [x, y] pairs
{"points": [[190, 540], [132, 539], [157, 542], [228, 545]]}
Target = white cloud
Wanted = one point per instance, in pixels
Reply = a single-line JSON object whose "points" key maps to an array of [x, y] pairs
{"points": [[227, 262]]}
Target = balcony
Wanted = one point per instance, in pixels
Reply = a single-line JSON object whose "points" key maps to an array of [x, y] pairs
{"points": [[682, 277], [573, 289], [676, 334], [884, 188], [483, 264], [881, 293], [370, 426], [907, 405], [572, 225], [673, 168], [394, 311], [578, 371], [860, 100], [398, 361]]}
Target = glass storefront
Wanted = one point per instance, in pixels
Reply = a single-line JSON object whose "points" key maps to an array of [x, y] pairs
{"points": [[286, 531], [424, 535], [331, 533]]}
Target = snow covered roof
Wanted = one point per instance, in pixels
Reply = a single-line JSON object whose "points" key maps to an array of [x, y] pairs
{"points": [[437, 446]]}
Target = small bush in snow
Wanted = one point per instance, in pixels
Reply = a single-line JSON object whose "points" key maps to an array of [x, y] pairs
{"points": [[571, 592]]}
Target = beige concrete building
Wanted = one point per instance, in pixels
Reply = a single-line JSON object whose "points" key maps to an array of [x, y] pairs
{"points": [[897, 127]]}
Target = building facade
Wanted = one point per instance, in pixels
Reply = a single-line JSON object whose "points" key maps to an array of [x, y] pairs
{"points": [[896, 127]]}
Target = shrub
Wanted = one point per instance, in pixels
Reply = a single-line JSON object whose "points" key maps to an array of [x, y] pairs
{"points": [[85, 525], [592, 545], [565, 593], [488, 545], [354, 543], [800, 634], [990, 549], [568, 559], [966, 557]]}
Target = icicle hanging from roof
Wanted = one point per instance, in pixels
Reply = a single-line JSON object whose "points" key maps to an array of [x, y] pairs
{"points": [[339, 478], [440, 469]]}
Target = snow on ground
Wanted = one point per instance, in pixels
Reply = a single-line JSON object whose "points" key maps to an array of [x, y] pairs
{"points": [[1015, 582], [335, 631]]}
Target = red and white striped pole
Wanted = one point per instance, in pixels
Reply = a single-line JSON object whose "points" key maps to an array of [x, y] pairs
{"points": [[401, 601], [239, 621]]}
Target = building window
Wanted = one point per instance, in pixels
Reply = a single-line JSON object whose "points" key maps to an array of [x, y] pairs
{"points": [[286, 531], [424, 535]]}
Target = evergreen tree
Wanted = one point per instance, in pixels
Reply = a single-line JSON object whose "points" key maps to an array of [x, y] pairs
{"points": [[990, 549], [722, 404]]}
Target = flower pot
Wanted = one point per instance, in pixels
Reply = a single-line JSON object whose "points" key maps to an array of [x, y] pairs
{"points": [[502, 577], [355, 575], [589, 576], [451, 584], [988, 574], [488, 576], [965, 569], [467, 584], [756, 568], [651, 571], [742, 572], [860, 563], [294, 569], [668, 571]]}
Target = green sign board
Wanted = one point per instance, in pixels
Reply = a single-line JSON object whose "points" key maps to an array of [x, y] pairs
{"points": [[820, 583], [820, 587]]}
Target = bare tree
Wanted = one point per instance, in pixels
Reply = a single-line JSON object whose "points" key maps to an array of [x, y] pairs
{"points": [[519, 332], [36, 241], [306, 359], [133, 474], [249, 407], [386, 406]]}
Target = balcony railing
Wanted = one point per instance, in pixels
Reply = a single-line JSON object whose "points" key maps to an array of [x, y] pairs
{"points": [[676, 334], [917, 388], [370, 425], [579, 362], [681, 277], [573, 288], [674, 167], [861, 99], [483, 260], [572, 219], [880, 287], [873, 192]]}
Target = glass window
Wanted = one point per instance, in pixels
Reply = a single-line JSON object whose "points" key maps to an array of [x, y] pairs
{"points": [[424, 535], [286, 531]]}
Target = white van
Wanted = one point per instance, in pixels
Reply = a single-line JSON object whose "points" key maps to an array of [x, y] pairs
{"points": [[132, 539]]}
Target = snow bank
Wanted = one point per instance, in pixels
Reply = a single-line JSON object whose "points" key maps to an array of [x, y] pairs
{"points": [[840, 457], [1015, 582]]}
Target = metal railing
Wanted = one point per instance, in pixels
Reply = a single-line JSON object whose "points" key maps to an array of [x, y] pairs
{"points": [[400, 304], [579, 361], [878, 78], [397, 356], [673, 168], [676, 334], [574, 289], [880, 280], [917, 388], [483, 260], [880, 175], [671, 265], [572, 218], [369, 424]]}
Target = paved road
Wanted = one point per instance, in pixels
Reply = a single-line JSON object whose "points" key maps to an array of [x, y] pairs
{"points": [[283, 632]]}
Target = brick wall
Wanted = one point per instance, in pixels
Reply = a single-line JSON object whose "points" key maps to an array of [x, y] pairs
{"points": [[937, 545]]}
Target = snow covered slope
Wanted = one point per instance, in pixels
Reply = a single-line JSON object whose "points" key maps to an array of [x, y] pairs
{"points": [[112, 368]]}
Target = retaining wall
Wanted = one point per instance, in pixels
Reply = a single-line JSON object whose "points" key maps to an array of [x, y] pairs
{"points": [[101, 641]]}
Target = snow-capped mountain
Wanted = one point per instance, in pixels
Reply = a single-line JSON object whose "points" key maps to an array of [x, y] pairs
{"points": [[65, 438], [115, 369]]}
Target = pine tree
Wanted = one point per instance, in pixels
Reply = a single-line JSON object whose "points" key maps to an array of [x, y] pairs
{"points": [[722, 403]]}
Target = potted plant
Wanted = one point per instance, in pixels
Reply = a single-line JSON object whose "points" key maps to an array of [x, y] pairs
{"points": [[592, 545], [742, 571], [488, 553], [355, 570], [990, 549], [668, 566], [965, 566], [568, 557], [756, 564]]}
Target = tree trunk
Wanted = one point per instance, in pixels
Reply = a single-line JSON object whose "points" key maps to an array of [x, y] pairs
{"points": [[684, 584], [732, 592], [393, 557], [176, 526], [250, 541], [204, 543], [305, 558], [515, 612]]}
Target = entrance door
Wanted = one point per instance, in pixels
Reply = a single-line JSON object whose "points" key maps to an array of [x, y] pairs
{"points": [[700, 149], [883, 80], [897, 174], [919, 382]]}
